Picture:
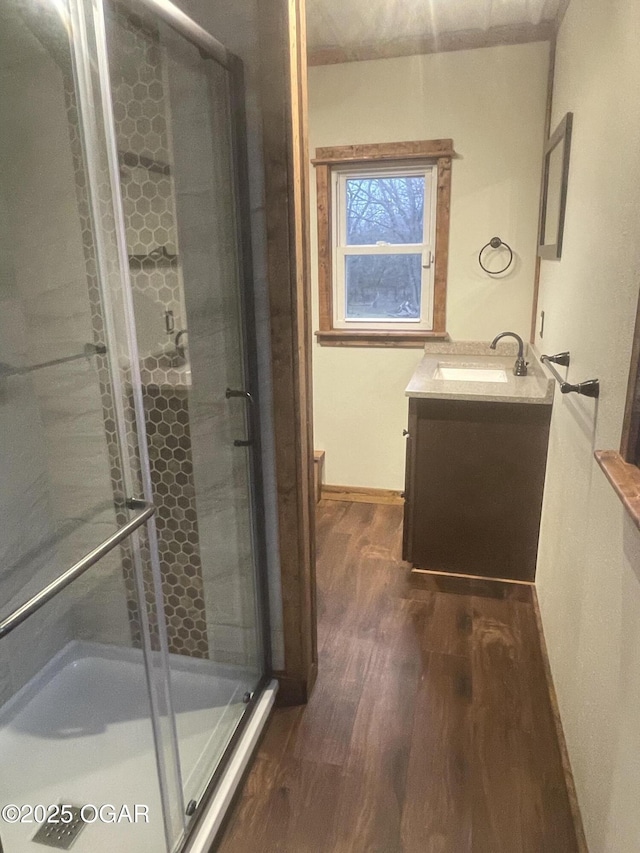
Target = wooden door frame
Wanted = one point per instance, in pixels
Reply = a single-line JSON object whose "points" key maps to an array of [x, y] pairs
{"points": [[284, 110]]}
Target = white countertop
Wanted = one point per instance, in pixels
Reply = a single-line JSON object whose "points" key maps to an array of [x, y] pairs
{"points": [[536, 387]]}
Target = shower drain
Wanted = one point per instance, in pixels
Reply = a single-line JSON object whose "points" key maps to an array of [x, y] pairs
{"points": [[60, 835]]}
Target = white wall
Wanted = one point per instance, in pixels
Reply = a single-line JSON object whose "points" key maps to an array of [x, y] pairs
{"points": [[589, 563], [491, 102]]}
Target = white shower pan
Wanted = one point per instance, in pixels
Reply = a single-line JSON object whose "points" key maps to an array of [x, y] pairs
{"points": [[79, 732]]}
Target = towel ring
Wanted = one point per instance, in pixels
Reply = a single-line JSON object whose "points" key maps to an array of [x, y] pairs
{"points": [[495, 243]]}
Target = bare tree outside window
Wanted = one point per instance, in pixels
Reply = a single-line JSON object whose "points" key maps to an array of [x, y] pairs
{"points": [[384, 211]]}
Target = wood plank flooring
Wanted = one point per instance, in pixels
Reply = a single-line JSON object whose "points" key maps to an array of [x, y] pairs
{"points": [[430, 729]]}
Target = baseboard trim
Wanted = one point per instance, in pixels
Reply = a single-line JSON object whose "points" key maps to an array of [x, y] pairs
{"points": [[461, 584], [562, 743], [472, 577], [362, 494]]}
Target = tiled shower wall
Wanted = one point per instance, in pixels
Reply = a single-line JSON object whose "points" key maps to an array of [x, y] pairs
{"points": [[75, 417], [207, 571], [207, 234], [142, 131], [57, 499], [169, 440], [140, 104]]}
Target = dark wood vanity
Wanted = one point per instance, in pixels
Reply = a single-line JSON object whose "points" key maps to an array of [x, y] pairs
{"points": [[474, 480]]}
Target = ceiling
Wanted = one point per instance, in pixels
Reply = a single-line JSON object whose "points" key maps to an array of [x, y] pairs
{"points": [[344, 25]]}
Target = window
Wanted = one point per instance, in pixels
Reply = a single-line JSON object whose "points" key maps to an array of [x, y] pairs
{"points": [[383, 219], [384, 242]]}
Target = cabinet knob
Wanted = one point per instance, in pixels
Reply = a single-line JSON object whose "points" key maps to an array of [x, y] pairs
{"points": [[405, 432]]}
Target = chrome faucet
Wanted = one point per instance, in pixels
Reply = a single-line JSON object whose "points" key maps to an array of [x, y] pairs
{"points": [[520, 367]]}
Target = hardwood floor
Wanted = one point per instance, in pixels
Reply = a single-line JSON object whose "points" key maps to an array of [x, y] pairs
{"points": [[430, 729]]}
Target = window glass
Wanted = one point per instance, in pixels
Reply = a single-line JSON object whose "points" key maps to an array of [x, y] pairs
{"points": [[383, 286], [385, 209]]}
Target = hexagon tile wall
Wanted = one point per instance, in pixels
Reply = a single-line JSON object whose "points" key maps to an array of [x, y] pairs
{"points": [[148, 200], [169, 440], [147, 189]]}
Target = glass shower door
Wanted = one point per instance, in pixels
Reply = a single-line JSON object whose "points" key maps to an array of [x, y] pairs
{"points": [[131, 634], [176, 110], [82, 697]]}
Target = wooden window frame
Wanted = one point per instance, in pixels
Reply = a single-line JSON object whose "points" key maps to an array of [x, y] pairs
{"points": [[434, 152], [621, 467], [425, 248]]}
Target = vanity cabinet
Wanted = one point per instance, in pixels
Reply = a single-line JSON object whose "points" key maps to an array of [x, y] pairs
{"points": [[473, 486]]}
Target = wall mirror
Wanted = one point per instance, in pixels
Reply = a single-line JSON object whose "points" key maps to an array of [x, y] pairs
{"points": [[555, 181]]}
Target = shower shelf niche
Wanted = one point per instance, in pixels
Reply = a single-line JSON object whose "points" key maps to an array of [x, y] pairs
{"points": [[157, 255], [133, 160]]}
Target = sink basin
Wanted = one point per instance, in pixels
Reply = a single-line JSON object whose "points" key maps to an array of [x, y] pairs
{"points": [[470, 373]]}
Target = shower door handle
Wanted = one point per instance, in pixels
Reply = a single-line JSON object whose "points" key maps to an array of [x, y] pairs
{"points": [[246, 395], [20, 614]]}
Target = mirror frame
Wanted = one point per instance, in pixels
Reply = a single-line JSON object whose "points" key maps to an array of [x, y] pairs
{"points": [[560, 136]]}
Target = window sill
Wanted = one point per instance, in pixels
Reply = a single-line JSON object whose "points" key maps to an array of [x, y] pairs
{"points": [[625, 479], [377, 338]]}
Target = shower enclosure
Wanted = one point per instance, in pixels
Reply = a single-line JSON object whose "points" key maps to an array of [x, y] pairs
{"points": [[133, 629]]}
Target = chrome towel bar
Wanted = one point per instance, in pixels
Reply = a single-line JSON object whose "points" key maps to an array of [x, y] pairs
{"points": [[18, 616], [588, 388], [89, 350]]}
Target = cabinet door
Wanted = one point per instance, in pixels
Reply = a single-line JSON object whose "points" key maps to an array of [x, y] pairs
{"points": [[476, 482]]}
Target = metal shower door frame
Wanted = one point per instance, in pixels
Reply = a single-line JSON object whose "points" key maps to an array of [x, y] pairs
{"points": [[89, 46], [98, 88], [211, 48]]}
